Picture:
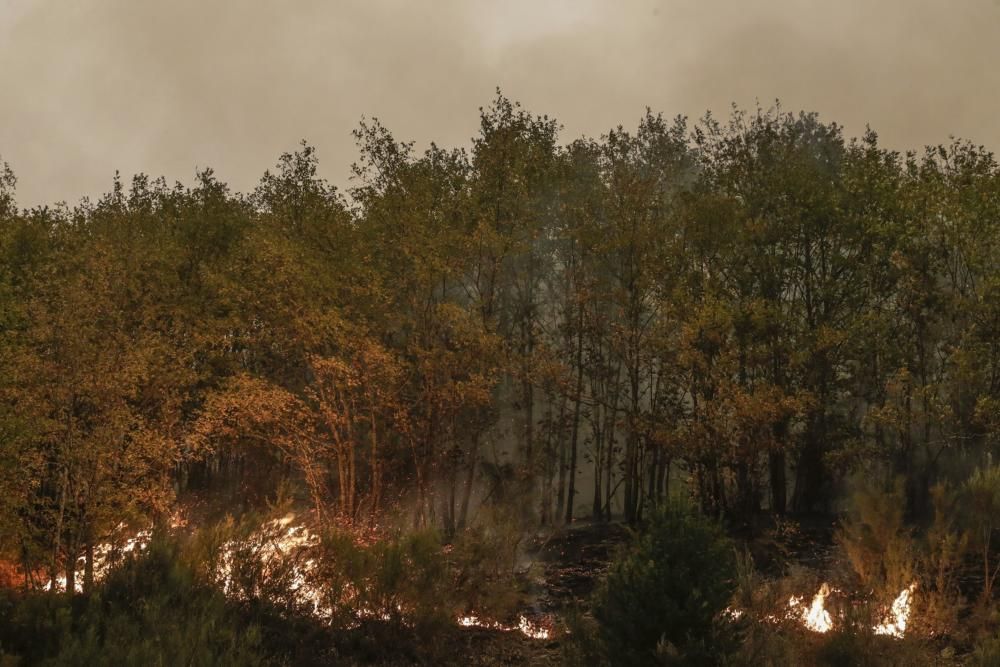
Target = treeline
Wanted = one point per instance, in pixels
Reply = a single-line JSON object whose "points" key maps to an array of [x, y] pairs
{"points": [[756, 309]]}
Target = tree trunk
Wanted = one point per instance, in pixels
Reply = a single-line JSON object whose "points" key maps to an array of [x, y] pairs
{"points": [[809, 473], [545, 513], [470, 479], [779, 486], [449, 505], [609, 489], [352, 468], [57, 537], [632, 488], [663, 482], [574, 438], [595, 511], [71, 572], [88, 567], [561, 488], [376, 472]]}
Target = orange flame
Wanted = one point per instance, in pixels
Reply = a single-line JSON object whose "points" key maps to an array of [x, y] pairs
{"points": [[524, 626], [814, 617], [894, 624]]}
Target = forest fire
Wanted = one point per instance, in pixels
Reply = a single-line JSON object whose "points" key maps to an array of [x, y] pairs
{"points": [[300, 537], [711, 389], [104, 555], [814, 617], [280, 538], [894, 624], [524, 626]]}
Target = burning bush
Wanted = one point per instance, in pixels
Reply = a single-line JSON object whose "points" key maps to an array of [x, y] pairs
{"points": [[394, 581], [484, 559], [152, 609]]}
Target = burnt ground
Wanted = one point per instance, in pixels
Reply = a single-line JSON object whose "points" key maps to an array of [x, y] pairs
{"points": [[574, 559], [565, 566]]}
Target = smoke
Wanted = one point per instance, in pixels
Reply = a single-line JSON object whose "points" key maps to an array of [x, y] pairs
{"points": [[165, 88]]}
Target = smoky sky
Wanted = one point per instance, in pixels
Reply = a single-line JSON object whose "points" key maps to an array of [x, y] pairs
{"points": [[165, 88]]}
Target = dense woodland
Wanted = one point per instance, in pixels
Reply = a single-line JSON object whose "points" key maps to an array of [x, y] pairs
{"points": [[759, 315]]}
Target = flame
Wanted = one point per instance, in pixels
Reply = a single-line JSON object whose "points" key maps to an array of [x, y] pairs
{"points": [[815, 617], [103, 555], [524, 626], [530, 630], [894, 624], [289, 538]]}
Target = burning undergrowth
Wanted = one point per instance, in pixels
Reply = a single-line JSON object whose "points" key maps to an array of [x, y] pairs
{"points": [[382, 587], [348, 579], [830, 607]]}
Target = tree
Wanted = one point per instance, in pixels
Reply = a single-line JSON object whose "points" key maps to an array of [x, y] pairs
{"points": [[668, 587]]}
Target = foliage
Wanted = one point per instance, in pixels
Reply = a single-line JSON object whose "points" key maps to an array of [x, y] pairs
{"points": [[941, 603], [877, 543], [485, 340], [388, 582], [150, 611], [665, 592], [982, 507]]}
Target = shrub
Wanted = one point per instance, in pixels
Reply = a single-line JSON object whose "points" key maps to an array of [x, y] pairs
{"points": [[762, 640], [940, 603], [150, 611], [982, 500], [664, 594], [986, 653], [877, 543], [385, 595], [484, 560]]}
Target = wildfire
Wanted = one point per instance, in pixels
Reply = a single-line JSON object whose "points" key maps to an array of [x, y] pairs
{"points": [[894, 624], [286, 538], [103, 556], [291, 538], [524, 626], [814, 617]]}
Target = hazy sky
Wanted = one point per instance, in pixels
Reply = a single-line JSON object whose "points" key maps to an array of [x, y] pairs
{"points": [[165, 87]]}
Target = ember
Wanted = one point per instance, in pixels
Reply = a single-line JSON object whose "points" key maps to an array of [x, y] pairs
{"points": [[524, 626]]}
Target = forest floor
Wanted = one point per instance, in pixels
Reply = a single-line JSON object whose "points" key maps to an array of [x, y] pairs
{"points": [[565, 566]]}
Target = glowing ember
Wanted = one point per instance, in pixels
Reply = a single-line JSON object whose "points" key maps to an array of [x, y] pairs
{"points": [[476, 622], [815, 617], [894, 624], [530, 630], [524, 626], [733, 614]]}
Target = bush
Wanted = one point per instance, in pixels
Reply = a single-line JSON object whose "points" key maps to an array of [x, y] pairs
{"points": [[982, 500], [877, 543], [484, 559], [386, 596], [986, 653], [663, 595], [150, 611]]}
